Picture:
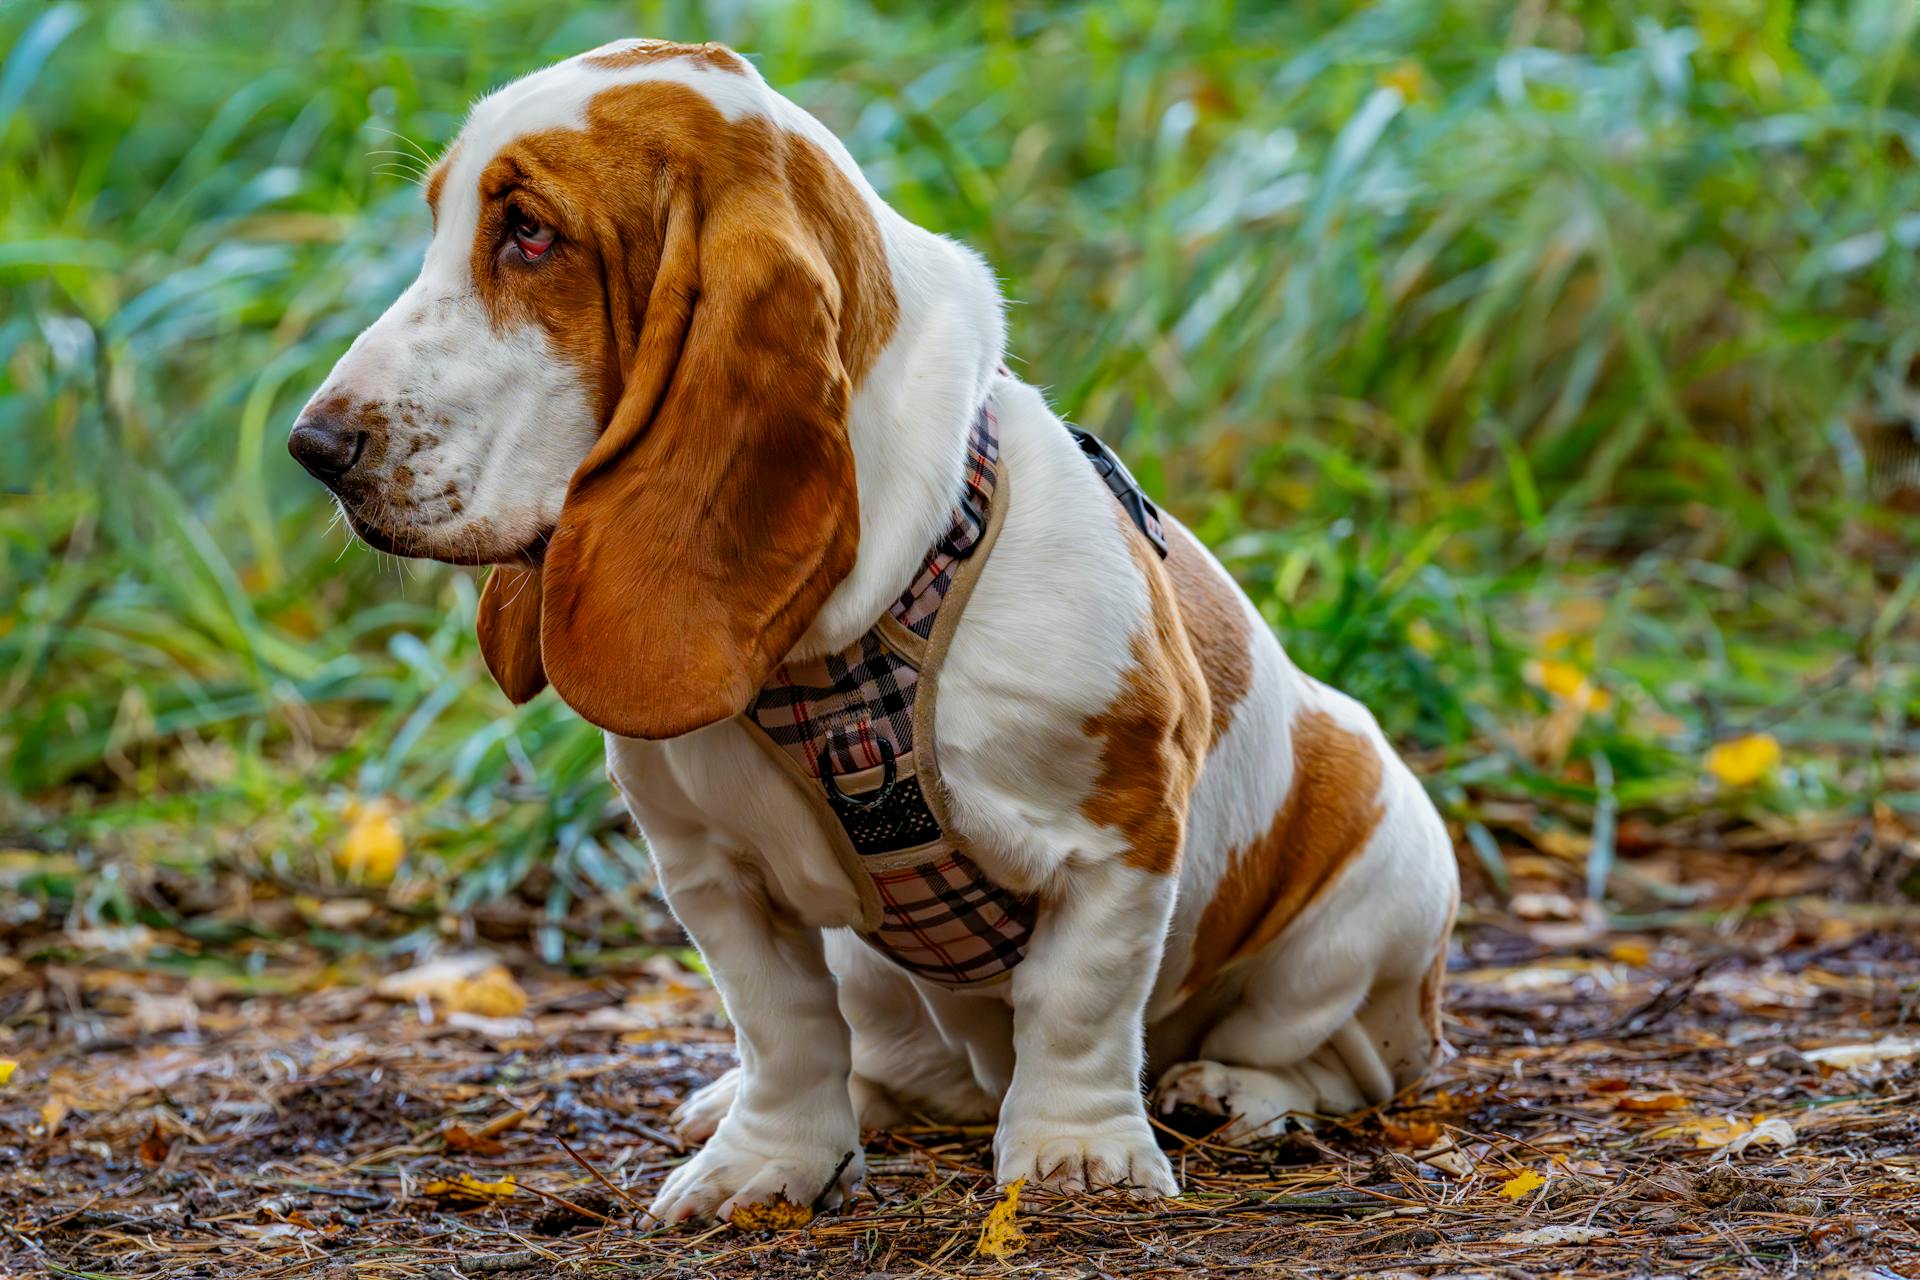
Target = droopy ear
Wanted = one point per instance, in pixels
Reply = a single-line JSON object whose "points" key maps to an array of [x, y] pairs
{"points": [[718, 510], [509, 627]]}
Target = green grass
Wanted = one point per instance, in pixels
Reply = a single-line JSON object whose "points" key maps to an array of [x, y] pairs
{"points": [[1451, 323]]}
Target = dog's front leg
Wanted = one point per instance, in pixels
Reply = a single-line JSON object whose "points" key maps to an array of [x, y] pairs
{"points": [[790, 1134], [1074, 1119]]}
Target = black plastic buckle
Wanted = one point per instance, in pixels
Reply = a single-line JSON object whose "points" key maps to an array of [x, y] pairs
{"points": [[874, 801], [1138, 506]]}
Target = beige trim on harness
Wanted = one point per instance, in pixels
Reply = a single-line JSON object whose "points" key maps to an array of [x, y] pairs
{"points": [[933, 787], [926, 657]]}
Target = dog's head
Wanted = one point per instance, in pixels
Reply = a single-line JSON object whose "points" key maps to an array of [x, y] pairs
{"points": [[623, 376]]}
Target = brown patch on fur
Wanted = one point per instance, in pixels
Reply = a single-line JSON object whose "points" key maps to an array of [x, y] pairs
{"points": [[1330, 812], [1216, 624], [722, 287], [437, 182], [608, 190], [715, 57], [1154, 731]]}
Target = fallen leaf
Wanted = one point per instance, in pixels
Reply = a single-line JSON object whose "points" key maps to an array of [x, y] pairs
{"points": [[1651, 1102], [134, 940], [336, 913], [1544, 906], [497, 1030], [155, 1146], [53, 1112], [459, 984], [1418, 1134], [1707, 1132], [459, 1139], [1000, 1236], [466, 1187], [272, 1231], [1630, 952], [1522, 1184], [777, 1214], [1550, 978], [1555, 1235], [155, 1013], [1847, 1057], [373, 848], [7, 1067], [1744, 761], [1448, 1159], [1774, 1130]]}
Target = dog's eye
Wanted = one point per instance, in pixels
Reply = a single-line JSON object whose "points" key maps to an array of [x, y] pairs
{"points": [[533, 238]]}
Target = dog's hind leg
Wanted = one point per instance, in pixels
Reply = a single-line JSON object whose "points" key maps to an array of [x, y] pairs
{"points": [[1340, 1013]]}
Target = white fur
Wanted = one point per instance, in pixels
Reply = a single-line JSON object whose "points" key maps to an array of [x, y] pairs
{"points": [[1327, 1017]]}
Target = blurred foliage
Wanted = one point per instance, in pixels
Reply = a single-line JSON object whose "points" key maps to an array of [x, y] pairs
{"points": [[1486, 340]]}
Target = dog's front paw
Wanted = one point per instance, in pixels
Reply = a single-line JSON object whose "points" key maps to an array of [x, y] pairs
{"points": [[727, 1178], [695, 1119], [1119, 1155]]}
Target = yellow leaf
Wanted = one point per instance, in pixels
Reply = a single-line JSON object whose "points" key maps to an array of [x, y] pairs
{"points": [[1707, 1132], [1000, 1236], [373, 848], [464, 1186], [1522, 1184], [1627, 951], [459, 984], [777, 1214], [1569, 684], [1651, 1102], [1744, 761], [7, 1068], [1416, 1133]]}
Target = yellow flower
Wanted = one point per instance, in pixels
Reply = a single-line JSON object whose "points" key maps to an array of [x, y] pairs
{"points": [[373, 848], [1408, 78], [1569, 684], [1744, 761]]}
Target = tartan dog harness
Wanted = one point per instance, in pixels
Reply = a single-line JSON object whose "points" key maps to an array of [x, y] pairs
{"points": [[857, 727]]}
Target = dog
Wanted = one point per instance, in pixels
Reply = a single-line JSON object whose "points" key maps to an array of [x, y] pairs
{"points": [[756, 483]]}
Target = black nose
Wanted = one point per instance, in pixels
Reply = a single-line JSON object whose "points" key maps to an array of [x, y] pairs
{"points": [[325, 447]]}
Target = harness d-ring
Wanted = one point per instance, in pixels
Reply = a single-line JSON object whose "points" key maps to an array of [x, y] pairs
{"points": [[874, 801]]}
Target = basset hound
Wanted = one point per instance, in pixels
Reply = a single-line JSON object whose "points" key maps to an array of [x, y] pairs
{"points": [[739, 441]]}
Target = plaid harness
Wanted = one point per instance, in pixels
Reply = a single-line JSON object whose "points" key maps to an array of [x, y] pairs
{"points": [[847, 721]]}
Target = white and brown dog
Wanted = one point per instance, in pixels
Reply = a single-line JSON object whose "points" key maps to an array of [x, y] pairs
{"points": [[732, 428]]}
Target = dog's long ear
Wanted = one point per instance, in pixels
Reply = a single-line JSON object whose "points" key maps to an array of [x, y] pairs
{"points": [[718, 510], [509, 627]]}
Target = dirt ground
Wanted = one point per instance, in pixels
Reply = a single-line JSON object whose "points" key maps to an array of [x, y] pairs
{"points": [[1733, 1095]]}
